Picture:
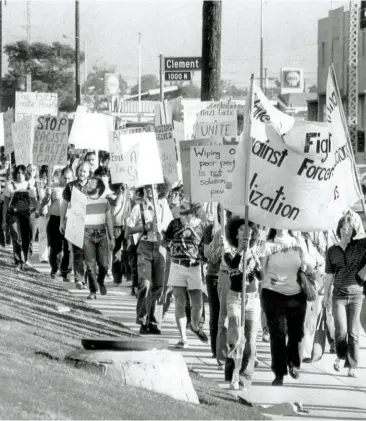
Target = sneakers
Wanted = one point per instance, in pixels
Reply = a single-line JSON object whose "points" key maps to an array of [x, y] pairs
{"points": [[103, 290], [294, 372], [338, 365], [234, 386], [154, 330], [79, 285], [27, 265], [181, 344], [278, 381], [201, 335], [265, 335], [144, 330], [18, 267], [92, 296], [352, 373]]}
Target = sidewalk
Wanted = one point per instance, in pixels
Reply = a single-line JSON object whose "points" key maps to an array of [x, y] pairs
{"points": [[323, 392]]}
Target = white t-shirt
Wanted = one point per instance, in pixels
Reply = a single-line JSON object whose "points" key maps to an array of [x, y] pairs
{"points": [[284, 260], [22, 187]]}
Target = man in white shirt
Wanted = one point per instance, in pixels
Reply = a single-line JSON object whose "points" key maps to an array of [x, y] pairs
{"points": [[151, 256]]}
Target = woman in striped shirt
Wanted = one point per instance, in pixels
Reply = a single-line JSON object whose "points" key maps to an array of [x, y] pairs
{"points": [[342, 265]]}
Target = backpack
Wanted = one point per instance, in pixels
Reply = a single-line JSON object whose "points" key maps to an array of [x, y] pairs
{"points": [[20, 202]]}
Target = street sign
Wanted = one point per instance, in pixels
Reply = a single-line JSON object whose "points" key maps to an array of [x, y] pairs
{"points": [[182, 63], [181, 76]]}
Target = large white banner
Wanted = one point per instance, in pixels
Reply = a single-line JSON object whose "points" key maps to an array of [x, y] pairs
{"points": [[301, 174], [37, 103], [135, 159], [90, 130], [75, 223]]}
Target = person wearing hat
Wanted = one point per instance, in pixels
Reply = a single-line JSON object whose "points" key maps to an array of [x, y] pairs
{"points": [[185, 273]]}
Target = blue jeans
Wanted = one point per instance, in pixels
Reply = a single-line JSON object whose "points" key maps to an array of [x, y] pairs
{"points": [[242, 342], [346, 313], [214, 306], [151, 258], [96, 253], [223, 288]]}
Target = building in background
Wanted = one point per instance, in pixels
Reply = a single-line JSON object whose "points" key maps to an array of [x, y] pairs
{"points": [[333, 36]]}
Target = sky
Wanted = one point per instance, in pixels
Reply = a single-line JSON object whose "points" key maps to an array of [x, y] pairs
{"points": [[109, 29]]}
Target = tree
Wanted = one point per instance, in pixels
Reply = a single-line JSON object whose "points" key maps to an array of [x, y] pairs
{"points": [[95, 82], [228, 90], [147, 82], [51, 68]]}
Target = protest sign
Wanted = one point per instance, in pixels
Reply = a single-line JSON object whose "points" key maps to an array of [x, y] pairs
{"points": [[90, 130], [50, 141], [210, 166], [23, 134], [185, 157], [8, 137], [179, 137], [135, 159], [37, 103], [75, 223], [167, 151], [216, 129], [301, 174]]}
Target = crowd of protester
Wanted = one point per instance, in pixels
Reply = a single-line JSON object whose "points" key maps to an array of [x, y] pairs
{"points": [[168, 247]]}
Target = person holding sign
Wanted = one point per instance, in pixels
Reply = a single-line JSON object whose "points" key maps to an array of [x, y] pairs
{"points": [[151, 255], [242, 340], [98, 230], [20, 201], [81, 183], [185, 272]]}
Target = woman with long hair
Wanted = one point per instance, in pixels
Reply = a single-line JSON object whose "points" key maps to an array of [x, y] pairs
{"points": [[20, 201], [343, 263], [242, 340], [284, 301]]}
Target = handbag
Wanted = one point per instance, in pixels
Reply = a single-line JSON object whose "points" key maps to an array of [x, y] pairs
{"points": [[320, 337], [307, 282]]}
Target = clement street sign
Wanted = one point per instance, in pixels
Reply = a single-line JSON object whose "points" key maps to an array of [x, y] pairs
{"points": [[174, 64], [177, 76]]}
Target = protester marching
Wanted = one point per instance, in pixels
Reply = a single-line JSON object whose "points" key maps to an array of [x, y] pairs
{"points": [[255, 220]]}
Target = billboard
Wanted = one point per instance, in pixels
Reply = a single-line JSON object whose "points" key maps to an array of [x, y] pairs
{"points": [[292, 80]]}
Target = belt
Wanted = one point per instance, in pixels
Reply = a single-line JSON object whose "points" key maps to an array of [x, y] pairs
{"points": [[247, 295], [185, 263]]}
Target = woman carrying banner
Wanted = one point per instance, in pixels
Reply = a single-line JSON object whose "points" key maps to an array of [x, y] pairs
{"points": [[19, 201], [242, 341], [343, 263], [283, 301]]}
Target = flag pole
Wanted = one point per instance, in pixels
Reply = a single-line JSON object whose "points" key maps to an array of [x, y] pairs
{"points": [[343, 117], [248, 150]]}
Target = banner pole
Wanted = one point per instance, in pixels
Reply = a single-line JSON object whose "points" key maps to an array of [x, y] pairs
{"points": [[343, 117], [248, 149]]}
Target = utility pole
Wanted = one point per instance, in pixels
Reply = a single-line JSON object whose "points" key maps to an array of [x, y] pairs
{"points": [[77, 54], [211, 50], [29, 74], [139, 97], [265, 81], [261, 50], [1, 56]]}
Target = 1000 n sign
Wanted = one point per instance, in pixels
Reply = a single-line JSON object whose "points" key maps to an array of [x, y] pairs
{"points": [[177, 76]]}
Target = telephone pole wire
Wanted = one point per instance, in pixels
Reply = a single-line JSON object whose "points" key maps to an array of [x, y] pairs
{"points": [[211, 50]]}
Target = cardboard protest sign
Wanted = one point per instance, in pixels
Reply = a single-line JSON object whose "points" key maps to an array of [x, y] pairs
{"points": [[135, 159], [301, 174], [167, 151], [50, 141], [216, 129], [8, 137], [185, 156], [23, 135], [210, 166], [37, 103], [179, 137], [90, 130], [75, 223]]}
